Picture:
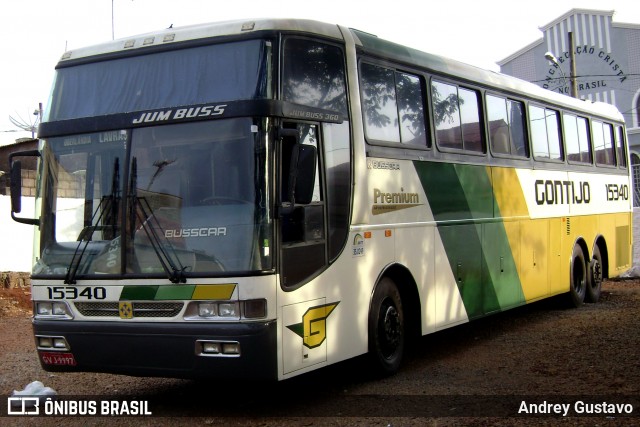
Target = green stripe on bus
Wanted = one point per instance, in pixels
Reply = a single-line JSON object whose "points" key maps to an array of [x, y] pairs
{"points": [[477, 248], [175, 292], [130, 293]]}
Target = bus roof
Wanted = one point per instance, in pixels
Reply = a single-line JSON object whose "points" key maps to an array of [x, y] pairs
{"points": [[368, 43], [168, 36]]}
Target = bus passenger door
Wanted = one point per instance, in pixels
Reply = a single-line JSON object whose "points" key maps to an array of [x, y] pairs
{"points": [[303, 247], [303, 251]]}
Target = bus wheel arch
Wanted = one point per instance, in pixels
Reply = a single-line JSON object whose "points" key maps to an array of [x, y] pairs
{"points": [[597, 270], [394, 316], [578, 274]]}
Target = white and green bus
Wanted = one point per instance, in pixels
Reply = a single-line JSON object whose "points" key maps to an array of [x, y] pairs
{"points": [[261, 199]]}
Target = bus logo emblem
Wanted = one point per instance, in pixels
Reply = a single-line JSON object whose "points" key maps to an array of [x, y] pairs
{"points": [[125, 308], [313, 329]]}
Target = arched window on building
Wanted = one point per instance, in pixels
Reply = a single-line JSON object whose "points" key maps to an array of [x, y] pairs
{"points": [[635, 168]]}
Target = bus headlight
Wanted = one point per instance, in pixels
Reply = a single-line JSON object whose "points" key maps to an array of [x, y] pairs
{"points": [[207, 309], [53, 309], [227, 310], [212, 310]]}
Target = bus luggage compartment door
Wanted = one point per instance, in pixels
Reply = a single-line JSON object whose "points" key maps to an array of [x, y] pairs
{"points": [[303, 334]]}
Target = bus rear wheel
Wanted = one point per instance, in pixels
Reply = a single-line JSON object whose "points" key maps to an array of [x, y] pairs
{"points": [[596, 275], [578, 277], [386, 328]]}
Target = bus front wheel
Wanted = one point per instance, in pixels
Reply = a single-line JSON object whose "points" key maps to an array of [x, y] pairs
{"points": [[386, 328], [578, 277]]}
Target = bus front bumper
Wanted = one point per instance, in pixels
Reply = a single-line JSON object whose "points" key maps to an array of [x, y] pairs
{"points": [[178, 350]]}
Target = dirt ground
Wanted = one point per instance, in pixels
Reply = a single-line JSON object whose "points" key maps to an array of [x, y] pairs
{"points": [[538, 353]]}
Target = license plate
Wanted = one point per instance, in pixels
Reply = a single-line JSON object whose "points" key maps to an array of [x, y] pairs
{"points": [[59, 359]]}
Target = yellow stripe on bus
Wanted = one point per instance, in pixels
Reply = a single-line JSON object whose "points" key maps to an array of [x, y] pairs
{"points": [[528, 238], [209, 292]]}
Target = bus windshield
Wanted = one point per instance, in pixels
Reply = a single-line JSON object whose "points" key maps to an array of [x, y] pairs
{"points": [[186, 198], [205, 74]]}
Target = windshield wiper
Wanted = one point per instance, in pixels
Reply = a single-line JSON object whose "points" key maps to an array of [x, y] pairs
{"points": [[107, 204], [160, 164], [165, 252]]}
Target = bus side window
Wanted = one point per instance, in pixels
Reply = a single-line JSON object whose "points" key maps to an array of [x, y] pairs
{"points": [[552, 119], [313, 74], [446, 115], [472, 133], [519, 145], [457, 117], [380, 106], [622, 154], [603, 143], [393, 106], [545, 133], [583, 138], [576, 133], [498, 124], [507, 126], [411, 109]]}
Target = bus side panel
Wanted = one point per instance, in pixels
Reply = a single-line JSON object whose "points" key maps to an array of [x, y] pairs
{"points": [[624, 245], [578, 207], [558, 274], [421, 250], [530, 238], [482, 253], [503, 260], [398, 202], [325, 320]]}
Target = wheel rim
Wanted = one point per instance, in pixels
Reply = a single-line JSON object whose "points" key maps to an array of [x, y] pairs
{"points": [[390, 329], [596, 272]]}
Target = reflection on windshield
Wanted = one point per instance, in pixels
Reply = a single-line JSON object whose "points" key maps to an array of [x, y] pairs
{"points": [[205, 74], [194, 203]]}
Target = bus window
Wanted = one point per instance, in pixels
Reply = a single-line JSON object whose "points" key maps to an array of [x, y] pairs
{"points": [[313, 75], [457, 117], [583, 138], [553, 133], [470, 114], [392, 106], [447, 115], [410, 109], [545, 133], [507, 127], [576, 132], [603, 143], [380, 106], [622, 154], [519, 146]]}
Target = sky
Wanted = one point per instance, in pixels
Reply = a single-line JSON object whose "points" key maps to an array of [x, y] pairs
{"points": [[35, 33]]}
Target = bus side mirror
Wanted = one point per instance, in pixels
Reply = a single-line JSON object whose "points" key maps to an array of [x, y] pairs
{"points": [[15, 177], [300, 181], [305, 173]]}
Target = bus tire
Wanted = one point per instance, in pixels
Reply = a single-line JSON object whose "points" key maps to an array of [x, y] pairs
{"points": [[386, 328], [578, 276], [596, 275]]}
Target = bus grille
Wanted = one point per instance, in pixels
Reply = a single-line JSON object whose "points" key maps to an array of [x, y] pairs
{"points": [[140, 309]]}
